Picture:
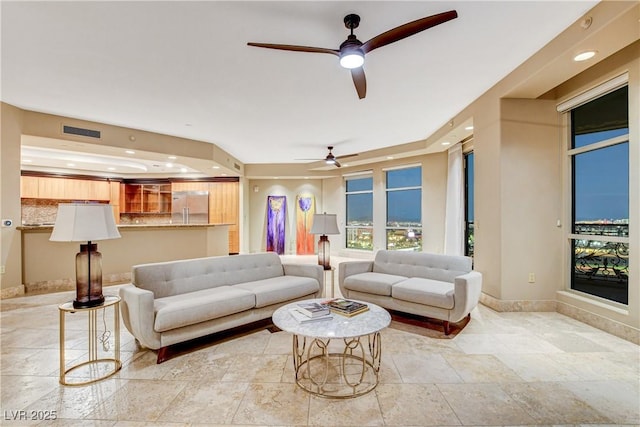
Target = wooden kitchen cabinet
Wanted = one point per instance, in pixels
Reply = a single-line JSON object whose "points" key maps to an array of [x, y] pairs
{"points": [[51, 188], [40, 187], [224, 209], [29, 187], [189, 186], [147, 198]]}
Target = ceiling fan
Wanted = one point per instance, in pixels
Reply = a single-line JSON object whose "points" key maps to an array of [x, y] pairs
{"points": [[352, 50], [331, 159]]}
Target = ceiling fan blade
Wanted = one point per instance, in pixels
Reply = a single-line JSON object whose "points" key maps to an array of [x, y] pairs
{"points": [[407, 30], [337, 164], [296, 48], [360, 81]]}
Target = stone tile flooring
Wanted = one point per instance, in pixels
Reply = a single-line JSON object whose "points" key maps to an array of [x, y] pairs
{"points": [[502, 369]]}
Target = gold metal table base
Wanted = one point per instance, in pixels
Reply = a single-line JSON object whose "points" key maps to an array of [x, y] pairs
{"points": [[94, 363], [351, 373]]}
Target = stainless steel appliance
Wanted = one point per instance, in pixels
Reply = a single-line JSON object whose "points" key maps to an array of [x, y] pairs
{"points": [[190, 207]]}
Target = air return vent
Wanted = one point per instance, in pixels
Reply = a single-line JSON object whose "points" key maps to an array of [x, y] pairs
{"points": [[237, 166], [70, 130]]}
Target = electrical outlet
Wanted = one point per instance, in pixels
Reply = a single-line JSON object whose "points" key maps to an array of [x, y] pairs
{"points": [[532, 278]]}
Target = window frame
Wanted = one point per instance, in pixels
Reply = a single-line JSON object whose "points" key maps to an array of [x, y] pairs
{"points": [[571, 236], [397, 189], [347, 227]]}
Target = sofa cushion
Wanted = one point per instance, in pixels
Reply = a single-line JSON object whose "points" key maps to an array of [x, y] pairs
{"points": [[425, 291], [372, 283], [280, 289], [176, 277], [194, 307], [420, 264]]}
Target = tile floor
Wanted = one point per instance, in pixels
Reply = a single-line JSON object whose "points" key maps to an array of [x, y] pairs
{"points": [[502, 369]]}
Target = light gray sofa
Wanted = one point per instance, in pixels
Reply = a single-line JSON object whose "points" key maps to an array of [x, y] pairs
{"points": [[172, 302], [443, 287]]}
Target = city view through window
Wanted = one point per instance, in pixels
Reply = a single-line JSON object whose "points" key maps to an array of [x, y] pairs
{"points": [[359, 224], [600, 205], [404, 213]]}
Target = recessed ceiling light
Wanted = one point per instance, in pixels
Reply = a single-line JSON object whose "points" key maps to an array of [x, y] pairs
{"points": [[215, 167], [172, 157], [223, 174], [130, 152], [469, 128], [445, 143], [169, 165], [583, 56], [71, 164], [183, 170], [111, 168], [389, 157]]}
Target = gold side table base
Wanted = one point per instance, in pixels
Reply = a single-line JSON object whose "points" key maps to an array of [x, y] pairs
{"points": [[93, 360], [352, 373]]}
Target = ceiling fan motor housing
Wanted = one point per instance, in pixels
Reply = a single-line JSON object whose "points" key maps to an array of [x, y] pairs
{"points": [[352, 21]]}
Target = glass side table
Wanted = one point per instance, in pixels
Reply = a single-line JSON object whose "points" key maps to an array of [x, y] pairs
{"points": [[98, 368]]}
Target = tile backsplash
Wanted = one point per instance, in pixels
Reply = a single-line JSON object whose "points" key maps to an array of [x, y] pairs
{"points": [[41, 211]]}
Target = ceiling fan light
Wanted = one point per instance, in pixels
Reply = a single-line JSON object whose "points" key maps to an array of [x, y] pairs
{"points": [[352, 59], [330, 161]]}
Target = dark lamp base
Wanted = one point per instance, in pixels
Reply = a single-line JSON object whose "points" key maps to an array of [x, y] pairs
{"points": [[93, 302]]}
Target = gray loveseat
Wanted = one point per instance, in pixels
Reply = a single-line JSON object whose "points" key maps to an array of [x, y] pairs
{"points": [[172, 302], [443, 287]]}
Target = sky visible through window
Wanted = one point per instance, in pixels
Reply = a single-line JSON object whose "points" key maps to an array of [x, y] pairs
{"points": [[602, 179]]}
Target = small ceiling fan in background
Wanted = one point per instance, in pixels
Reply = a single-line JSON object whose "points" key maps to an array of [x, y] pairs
{"points": [[352, 50], [331, 159]]}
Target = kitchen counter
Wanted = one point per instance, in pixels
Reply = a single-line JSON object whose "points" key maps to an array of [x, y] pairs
{"points": [[50, 266]]}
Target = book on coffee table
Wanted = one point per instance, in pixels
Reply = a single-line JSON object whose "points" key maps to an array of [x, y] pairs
{"points": [[303, 318], [347, 307], [313, 309]]}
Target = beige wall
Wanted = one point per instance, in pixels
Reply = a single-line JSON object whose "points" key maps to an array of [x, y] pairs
{"points": [[10, 249], [530, 200]]}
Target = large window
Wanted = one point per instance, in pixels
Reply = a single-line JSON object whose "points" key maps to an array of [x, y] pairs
{"points": [[359, 224], [469, 204], [599, 236], [404, 214]]}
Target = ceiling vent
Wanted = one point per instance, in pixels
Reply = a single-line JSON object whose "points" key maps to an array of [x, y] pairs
{"points": [[70, 130], [237, 166]]}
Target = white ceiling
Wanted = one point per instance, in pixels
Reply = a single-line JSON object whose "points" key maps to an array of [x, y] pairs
{"points": [[184, 68]]}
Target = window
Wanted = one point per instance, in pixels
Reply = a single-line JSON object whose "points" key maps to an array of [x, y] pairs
{"points": [[359, 224], [404, 213], [469, 204], [599, 235]]}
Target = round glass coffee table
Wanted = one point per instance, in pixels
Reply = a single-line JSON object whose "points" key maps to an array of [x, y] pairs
{"points": [[338, 357]]}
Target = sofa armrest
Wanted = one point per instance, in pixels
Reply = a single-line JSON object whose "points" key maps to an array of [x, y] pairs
{"points": [[138, 315], [467, 290], [313, 271]]}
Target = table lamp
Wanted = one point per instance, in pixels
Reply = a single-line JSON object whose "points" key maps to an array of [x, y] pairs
{"points": [[79, 222], [324, 224]]}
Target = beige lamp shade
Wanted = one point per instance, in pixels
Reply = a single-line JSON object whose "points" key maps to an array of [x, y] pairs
{"points": [[83, 222], [325, 224]]}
